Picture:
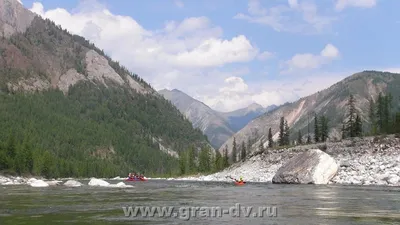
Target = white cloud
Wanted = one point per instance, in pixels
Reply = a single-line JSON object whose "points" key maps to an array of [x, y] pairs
{"points": [[311, 61], [294, 17], [192, 43], [235, 92], [179, 3], [342, 4], [265, 56], [187, 49]]}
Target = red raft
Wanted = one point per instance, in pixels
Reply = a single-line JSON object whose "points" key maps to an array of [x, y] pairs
{"points": [[136, 179], [240, 182]]}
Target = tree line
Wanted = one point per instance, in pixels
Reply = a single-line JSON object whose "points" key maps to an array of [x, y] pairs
{"points": [[75, 133], [383, 119], [203, 161]]}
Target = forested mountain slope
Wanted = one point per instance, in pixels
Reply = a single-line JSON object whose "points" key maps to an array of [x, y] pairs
{"points": [[67, 109]]}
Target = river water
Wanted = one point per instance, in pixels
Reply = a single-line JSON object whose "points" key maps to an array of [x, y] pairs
{"points": [[279, 204]]}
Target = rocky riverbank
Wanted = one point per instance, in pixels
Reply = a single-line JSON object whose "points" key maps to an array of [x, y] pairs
{"points": [[363, 161]]}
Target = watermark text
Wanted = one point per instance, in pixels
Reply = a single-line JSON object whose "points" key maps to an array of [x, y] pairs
{"points": [[185, 213]]}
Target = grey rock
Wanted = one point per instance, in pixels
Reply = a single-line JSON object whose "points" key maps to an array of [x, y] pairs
{"points": [[311, 167]]}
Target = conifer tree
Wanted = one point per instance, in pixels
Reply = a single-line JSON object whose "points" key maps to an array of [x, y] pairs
{"points": [[281, 140], [182, 162], [358, 126], [225, 157], [286, 134], [324, 128], [204, 160], [191, 160], [218, 161], [350, 125], [270, 140], [234, 150], [372, 117], [243, 151], [397, 123], [317, 133]]}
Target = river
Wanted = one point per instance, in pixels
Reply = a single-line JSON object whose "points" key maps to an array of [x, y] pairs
{"points": [[282, 204]]}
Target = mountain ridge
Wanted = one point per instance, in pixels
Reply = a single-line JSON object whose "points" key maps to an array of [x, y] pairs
{"points": [[217, 126], [330, 102]]}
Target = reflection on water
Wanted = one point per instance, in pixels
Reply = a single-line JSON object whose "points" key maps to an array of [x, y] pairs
{"points": [[295, 204]]}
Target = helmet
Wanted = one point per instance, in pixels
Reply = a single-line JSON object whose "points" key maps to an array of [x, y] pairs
{"points": [[241, 178]]}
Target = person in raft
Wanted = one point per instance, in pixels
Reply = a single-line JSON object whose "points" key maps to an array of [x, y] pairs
{"points": [[241, 179]]}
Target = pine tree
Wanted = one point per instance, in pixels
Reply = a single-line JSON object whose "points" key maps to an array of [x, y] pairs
{"points": [[299, 138], [286, 134], [380, 113], [350, 126], [270, 140], [182, 162], [281, 139], [234, 150], [204, 160], [218, 161], [372, 117], [191, 160], [243, 151], [358, 126], [317, 133], [225, 159], [324, 128], [397, 126]]}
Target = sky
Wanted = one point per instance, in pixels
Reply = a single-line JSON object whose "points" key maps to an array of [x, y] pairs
{"points": [[229, 54]]}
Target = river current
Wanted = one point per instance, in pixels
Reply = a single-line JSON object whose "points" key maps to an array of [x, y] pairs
{"points": [[190, 202]]}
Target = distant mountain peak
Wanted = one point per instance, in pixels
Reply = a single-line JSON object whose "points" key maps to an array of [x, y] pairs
{"points": [[255, 106]]}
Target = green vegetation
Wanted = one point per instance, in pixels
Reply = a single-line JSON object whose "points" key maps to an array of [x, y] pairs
{"points": [[204, 162], [91, 132], [321, 128], [283, 133], [234, 151], [243, 152], [270, 140], [383, 118], [353, 125]]}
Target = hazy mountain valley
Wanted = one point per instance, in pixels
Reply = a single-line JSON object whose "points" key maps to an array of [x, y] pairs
{"points": [[218, 126]]}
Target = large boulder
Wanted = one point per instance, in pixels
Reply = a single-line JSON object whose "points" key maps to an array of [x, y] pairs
{"points": [[310, 167]]}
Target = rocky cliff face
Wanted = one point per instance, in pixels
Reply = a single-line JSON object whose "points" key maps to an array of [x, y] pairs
{"points": [[217, 126], [330, 102], [14, 17]]}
